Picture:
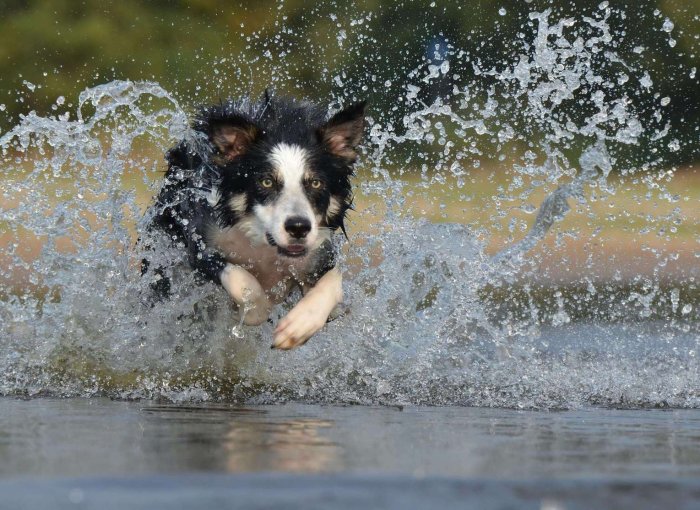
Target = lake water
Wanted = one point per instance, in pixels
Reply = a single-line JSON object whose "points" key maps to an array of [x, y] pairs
{"points": [[99, 453]]}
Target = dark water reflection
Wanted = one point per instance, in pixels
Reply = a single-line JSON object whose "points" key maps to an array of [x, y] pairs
{"points": [[76, 437]]}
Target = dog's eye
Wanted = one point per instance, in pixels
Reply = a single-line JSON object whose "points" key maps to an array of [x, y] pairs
{"points": [[315, 183], [266, 183]]}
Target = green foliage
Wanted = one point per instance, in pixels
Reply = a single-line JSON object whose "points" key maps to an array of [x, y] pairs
{"points": [[203, 50]]}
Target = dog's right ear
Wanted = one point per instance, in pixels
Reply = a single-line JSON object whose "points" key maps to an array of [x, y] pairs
{"points": [[233, 137], [343, 132]]}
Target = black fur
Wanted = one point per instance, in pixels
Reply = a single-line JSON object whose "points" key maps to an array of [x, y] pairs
{"points": [[184, 207]]}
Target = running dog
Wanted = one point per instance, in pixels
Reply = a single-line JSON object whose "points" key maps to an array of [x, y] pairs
{"points": [[254, 198]]}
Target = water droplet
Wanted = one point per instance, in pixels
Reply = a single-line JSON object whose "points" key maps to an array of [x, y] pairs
{"points": [[667, 26], [502, 11], [342, 35]]}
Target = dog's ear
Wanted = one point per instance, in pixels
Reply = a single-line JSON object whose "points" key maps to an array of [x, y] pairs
{"points": [[343, 132], [233, 136]]}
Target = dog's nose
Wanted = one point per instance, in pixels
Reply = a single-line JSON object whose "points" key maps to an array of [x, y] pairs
{"points": [[297, 226]]}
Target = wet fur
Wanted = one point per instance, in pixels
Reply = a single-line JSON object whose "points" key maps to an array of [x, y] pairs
{"points": [[231, 190]]}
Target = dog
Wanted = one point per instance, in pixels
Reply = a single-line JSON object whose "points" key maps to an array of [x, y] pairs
{"points": [[254, 198]]}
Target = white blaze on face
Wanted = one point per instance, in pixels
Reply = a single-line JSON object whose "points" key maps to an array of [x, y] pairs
{"points": [[290, 163]]}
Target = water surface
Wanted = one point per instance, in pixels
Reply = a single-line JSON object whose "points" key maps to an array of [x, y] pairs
{"points": [[98, 453], [86, 437]]}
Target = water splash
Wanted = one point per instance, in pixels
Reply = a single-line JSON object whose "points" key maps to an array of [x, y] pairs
{"points": [[435, 318]]}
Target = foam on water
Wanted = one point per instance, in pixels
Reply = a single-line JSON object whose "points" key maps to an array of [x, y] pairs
{"points": [[426, 324]]}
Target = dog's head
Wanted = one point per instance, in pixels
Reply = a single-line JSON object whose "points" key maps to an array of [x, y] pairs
{"points": [[285, 169]]}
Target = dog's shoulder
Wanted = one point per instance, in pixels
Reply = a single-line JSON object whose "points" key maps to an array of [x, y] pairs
{"points": [[322, 260]]}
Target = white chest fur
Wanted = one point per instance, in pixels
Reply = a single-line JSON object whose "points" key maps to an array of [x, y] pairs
{"points": [[277, 275]]}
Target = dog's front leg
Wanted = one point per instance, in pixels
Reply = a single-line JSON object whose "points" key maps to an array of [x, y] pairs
{"points": [[311, 312], [248, 294]]}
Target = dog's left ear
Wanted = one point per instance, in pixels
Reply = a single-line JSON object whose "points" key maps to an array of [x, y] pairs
{"points": [[343, 132], [233, 136]]}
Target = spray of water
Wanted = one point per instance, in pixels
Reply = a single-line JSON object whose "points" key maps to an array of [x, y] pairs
{"points": [[435, 318]]}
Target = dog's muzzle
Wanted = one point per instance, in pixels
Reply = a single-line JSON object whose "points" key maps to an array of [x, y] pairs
{"points": [[292, 250], [297, 227]]}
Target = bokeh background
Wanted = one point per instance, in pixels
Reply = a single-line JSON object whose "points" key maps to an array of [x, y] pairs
{"points": [[203, 50]]}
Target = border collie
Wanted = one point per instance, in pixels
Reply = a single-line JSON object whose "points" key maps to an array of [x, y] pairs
{"points": [[254, 199]]}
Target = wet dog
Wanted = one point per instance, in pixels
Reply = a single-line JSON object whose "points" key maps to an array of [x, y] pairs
{"points": [[254, 199]]}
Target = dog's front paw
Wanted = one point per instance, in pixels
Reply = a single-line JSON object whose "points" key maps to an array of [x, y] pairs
{"points": [[247, 293], [300, 324]]}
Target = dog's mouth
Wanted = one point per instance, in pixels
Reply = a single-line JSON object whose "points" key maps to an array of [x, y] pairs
{"points": [[291, 250]]}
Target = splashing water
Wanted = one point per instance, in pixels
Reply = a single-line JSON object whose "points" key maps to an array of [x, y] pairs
{"points": [[436, 317]]}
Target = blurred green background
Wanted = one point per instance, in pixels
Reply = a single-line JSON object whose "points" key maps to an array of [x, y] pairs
{"points": [[203, 50]]}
